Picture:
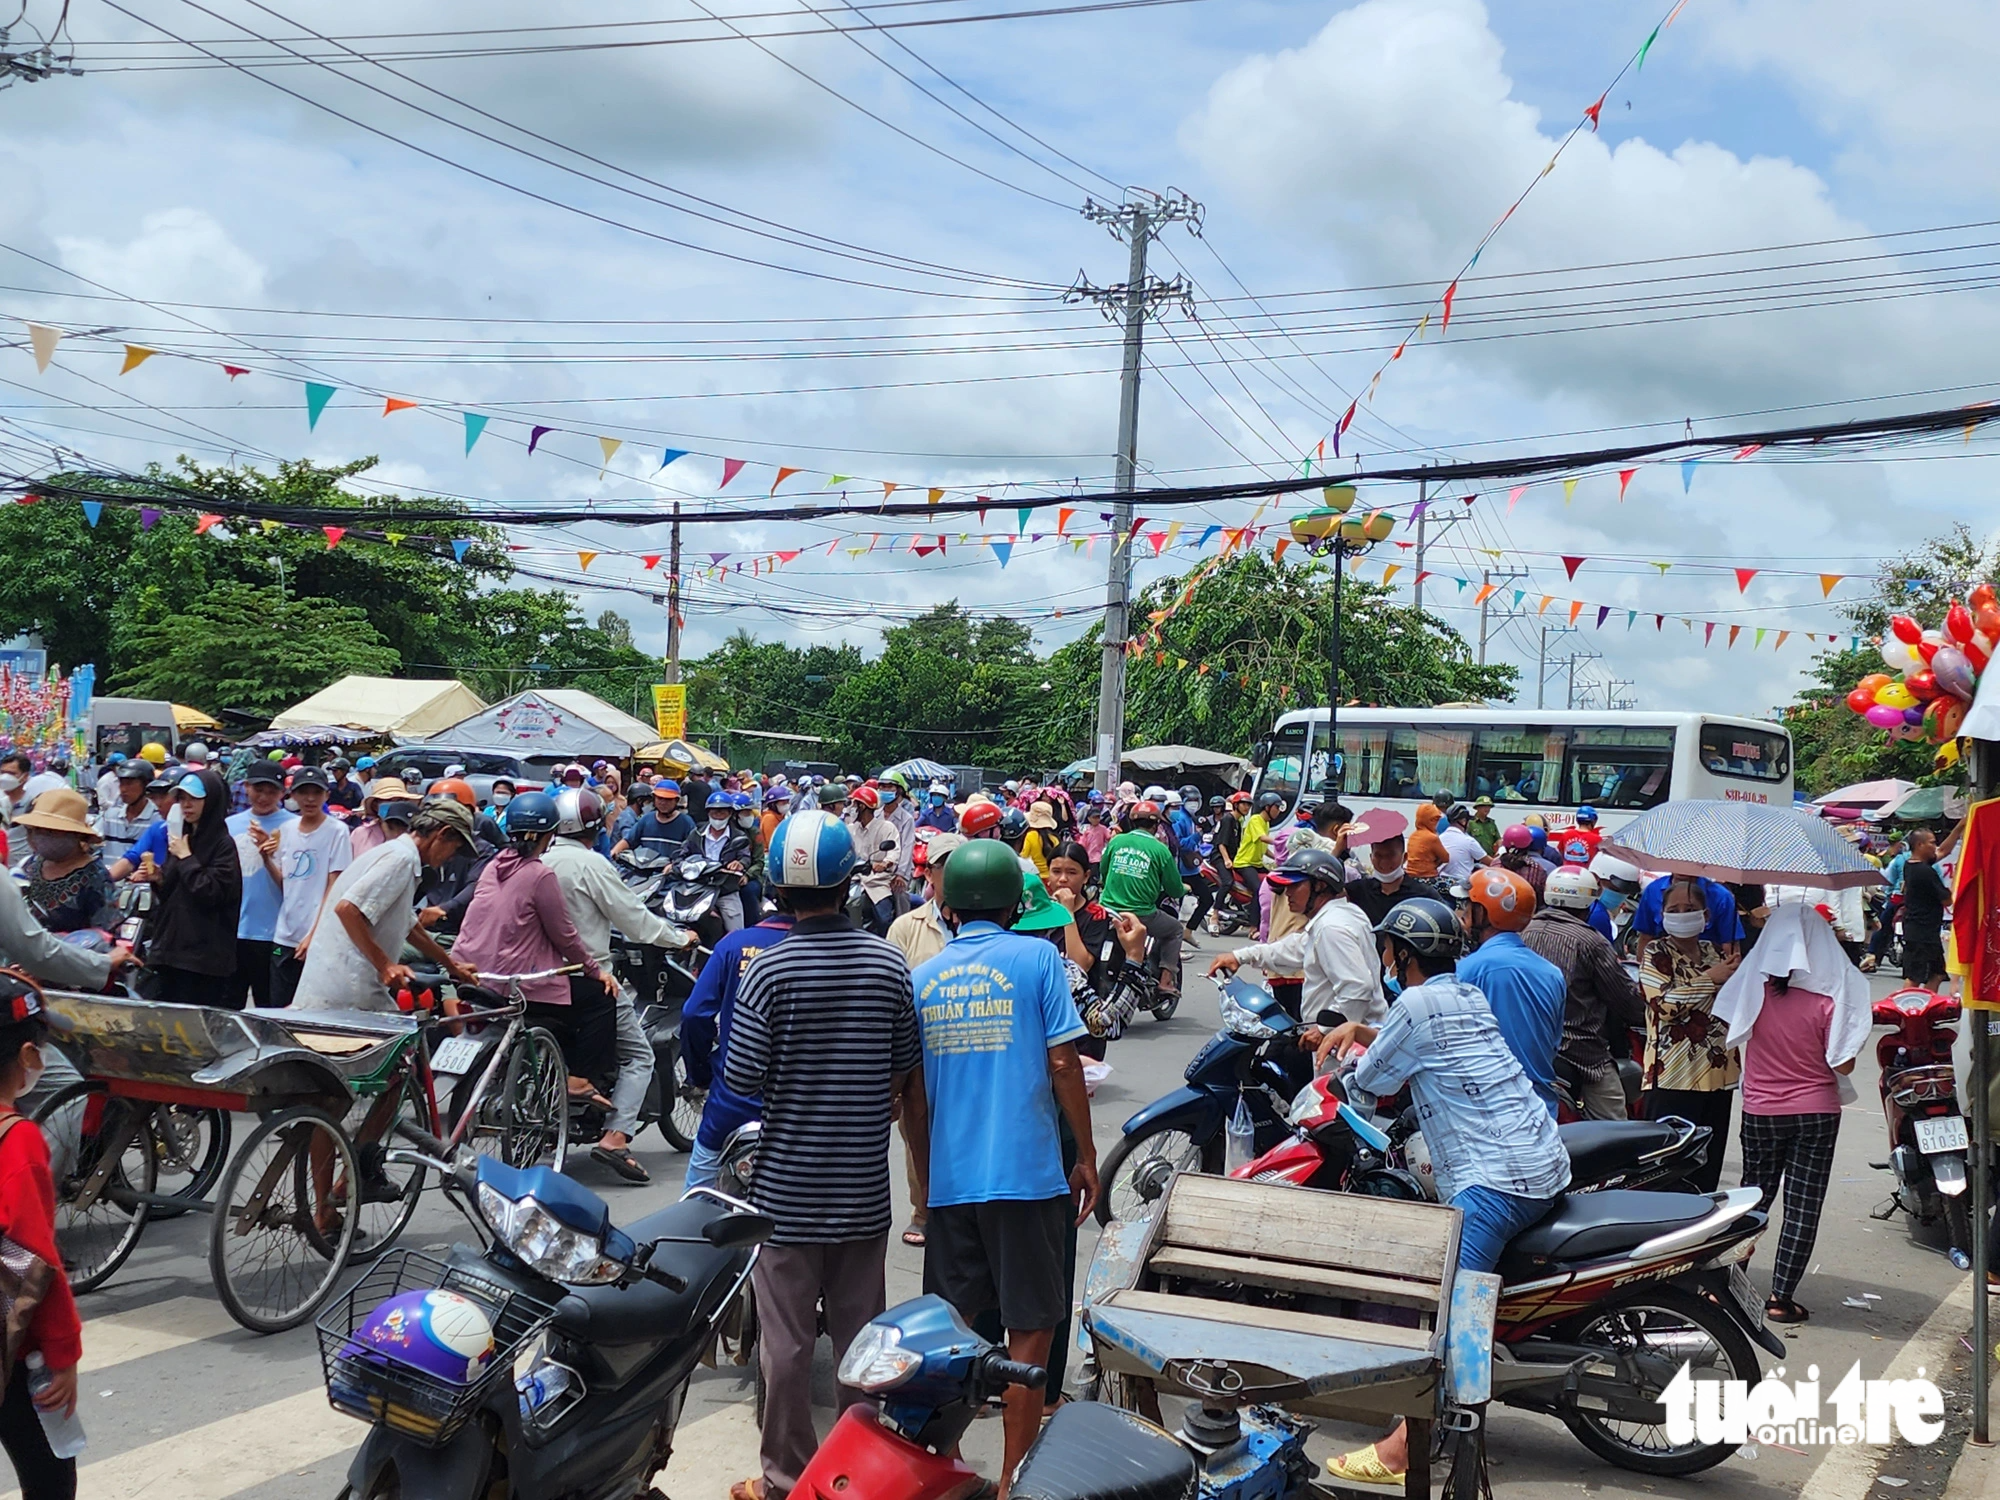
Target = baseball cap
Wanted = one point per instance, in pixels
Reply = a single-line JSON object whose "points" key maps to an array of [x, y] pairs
{"points": [[23, 1002], [446, 812], [398, 809], [1377, 824], [264, 771], [193, 785], [938, 845], [311, 776]]}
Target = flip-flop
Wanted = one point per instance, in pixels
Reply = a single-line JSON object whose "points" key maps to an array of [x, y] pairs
{"points": [[1363, 1466], [589, 1095], [747, 1489], [621, 1160], [914, 1236]]}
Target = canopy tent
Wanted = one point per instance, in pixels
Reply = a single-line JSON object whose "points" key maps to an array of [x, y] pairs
{"points": [[563, 723], [405, 708], [309, 734], [680, 753], [1922, 804], [1866, 794], [192, 720], [1164, 760]]}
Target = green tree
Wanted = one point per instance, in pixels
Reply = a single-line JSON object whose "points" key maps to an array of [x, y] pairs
{"points": [[750, 684], [247, 649]]}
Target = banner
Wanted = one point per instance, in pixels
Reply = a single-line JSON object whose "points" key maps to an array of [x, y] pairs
{"points": [[670, 709]]}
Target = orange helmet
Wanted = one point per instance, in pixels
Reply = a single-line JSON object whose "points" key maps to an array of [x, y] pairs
{"points": [[978, 818], [452, 786], [1505, 897]]}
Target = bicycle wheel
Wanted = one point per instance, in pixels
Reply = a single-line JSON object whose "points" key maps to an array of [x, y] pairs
{"points": [[389, 1190], [192, 1147], [280, 1239], [534, 1102], [98, 1148], [680, 1102], [487, 1130]]}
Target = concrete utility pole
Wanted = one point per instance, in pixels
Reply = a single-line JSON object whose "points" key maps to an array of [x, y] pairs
{"points": [[1569, 698], [674, 598], [1135, 222], [1542, 664], [1486, 578]]}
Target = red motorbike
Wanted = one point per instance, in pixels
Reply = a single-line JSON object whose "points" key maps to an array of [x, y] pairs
{"points": [[1928, 1141]]}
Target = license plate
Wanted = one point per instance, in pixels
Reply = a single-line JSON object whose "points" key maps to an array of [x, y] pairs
{"points": [[1945, 1133], [1745, 1295], [456, 1055]]}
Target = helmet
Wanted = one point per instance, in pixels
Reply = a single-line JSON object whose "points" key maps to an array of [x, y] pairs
{"points": [[194, 750], [983, 876], [1517, 836], [1538, 839], [939, 789], [1236, 797], [1309, 864], [1533, 820], [140, 771], [666, 786], [578, 810], [1215, 802], [411, 776], [1012, 786], [777, 793], [1190, 794], [1013, 824], [154, 752], [978, 817], [810, 850], [721, 801], [443, 1334], [896, 779], [451, 786], [1424, 925], [743, 801], [865, 796], [1095, 795], [1269, 801], [1586, 816], [1573, 890], [1143, 811], [366, 763], [1158, 793], [532, 813], [1505, 897], [1615, 874]]}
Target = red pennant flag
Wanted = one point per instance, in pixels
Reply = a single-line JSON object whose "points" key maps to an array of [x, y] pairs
{"points": [[333, 535], [1659, 622], [1743, 453], [1571, 564], [1346, 418], [1624, 478], [783, 475], [1449, 293], [395, 404], [202, 524], [1596, 109], [652, 562], [232, 371], [1743, 577], [731, 467], [1734, 631], [1708, 632], [788, 556]]}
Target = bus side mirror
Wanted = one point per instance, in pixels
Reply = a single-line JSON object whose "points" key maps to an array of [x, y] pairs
{"points": [[1261, 751]]}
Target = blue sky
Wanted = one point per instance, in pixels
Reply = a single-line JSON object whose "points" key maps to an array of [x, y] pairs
{"points": [[1333, 146]]}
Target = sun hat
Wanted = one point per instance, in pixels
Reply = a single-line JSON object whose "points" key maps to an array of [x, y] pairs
{"points": [[1042, 913], [59, 810]]}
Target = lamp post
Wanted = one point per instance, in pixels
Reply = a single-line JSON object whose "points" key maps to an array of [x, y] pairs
{"points": [[1331, 530]]}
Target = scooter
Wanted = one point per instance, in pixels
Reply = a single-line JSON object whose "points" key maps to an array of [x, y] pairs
{"points": [[1235, 905], [1928, 1142], [553, 1365]]}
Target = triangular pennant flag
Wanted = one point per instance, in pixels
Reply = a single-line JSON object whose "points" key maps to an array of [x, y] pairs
{"points": [[1173, 530], [785, 557], [1603, 613], [43, 341], [783, 475], [1514, 497], [1708, 631], [1571, 564], [475, 423], [652, 560], [1486, 591], [1575, 609], [1624, 478], [610, 447], [268, 526], [1390, 570], [1645, 47], [333, 535], [1659, 622], [1001, 550], [1783, 636], [1760, 639], [1662, 566], [1631, 618], [1423, 574], [718, 557], [1827, 582], [585, 559], [731, 467], [1745, 452], [1449, 293], [317, 396], [1062, 520], [888, 488], [392, 404], [1021, 519], [459, 546], [1743, 577], [1208, 532], [1596, 109], [135, 356], [1734, 631], [668, 455], [147, 516], [1543, 607], [833, 479], [395, 539], [1278, 551], [202, 523], [1569, 490], [934, 496], [232, 371], [1687, 474], [92, 510], [535, 436], [1519, 595]]}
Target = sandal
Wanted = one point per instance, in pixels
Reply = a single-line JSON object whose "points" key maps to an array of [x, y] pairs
{"points": [[583, 1090], [1363, 1466], [1784, 1310], [914, 1236], [621, 1160], [747, 1489]]}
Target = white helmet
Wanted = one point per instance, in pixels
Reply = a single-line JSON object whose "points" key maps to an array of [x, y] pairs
{"points": [[578, 810], [1159, 794], [1618, 874], [1571, 889]]}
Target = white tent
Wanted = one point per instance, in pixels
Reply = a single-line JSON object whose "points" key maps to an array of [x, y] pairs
{"points": [[403, 707], [560, 722]]}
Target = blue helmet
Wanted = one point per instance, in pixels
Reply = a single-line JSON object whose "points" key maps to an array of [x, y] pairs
{"points": [[532, 813], [720, 801], [1586, 816], [810, 850], [743, 801]]}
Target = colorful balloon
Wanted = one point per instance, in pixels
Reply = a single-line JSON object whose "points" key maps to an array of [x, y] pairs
{"points": [[1913, 715], [1954, 673], [1986, 619], [1895, 695], [1978, 655], [1906, 629], [1958, 623], [1884, 717], [1951, 719], [1908, 732], [1861, 700], [1923, 685], [1900, 656], [1874, 682], [1933, 642], [1981, 597]]}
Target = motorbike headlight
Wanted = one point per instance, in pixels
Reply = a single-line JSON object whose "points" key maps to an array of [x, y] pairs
{"points": [[694, 869], [877, 1360], [544, 1243], [1306, 1105]]}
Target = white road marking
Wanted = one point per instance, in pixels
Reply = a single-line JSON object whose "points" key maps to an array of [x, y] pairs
{"points": [[116, 1338]]}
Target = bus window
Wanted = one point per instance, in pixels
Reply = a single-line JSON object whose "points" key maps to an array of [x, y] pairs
{"points": [[1361, 756], [1619, 766], [1417, 763], [1757, 754], [1284, 766], [1515, 765]]}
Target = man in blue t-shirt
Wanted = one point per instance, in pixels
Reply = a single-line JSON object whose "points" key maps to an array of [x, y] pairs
{"points": [[999, 1032], [663, 830], [256, 833], [705, 1023], [1526, 992]]}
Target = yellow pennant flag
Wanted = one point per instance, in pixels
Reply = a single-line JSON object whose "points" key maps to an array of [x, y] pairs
{"points": [[135, 356], [1423, 323], [1180, 663], [586, 559], [610, 447], [1390, 570], [1173, 530], [1569, 490], [1547, 600], [935, 496]]}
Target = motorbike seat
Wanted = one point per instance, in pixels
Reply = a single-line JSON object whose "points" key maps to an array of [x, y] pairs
{"points": [[1592, 1226], [647, 1312], [1086, 1440], [1604, 1148]]}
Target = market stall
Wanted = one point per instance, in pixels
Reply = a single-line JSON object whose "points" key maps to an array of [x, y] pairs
{"points": [[564, 723], [399, 708]]}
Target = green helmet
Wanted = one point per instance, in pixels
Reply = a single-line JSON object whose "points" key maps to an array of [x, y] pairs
{"points": [[984, 875]]}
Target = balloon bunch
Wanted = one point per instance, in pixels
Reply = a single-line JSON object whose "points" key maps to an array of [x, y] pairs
{"points": [[1940, 671]]}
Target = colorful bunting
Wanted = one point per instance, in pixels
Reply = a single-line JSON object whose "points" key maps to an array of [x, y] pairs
{"points": [[935, 496], [1575, 609], [585, 559], [731, 467], [1734, 631], [317, 396], [333, 535], [92, 511], [535, 436], [1827, 582], [43, 341], [459, 547], [1687, 474], [1514, 497], [1571, 564], [1569, 490], [1001, 550], [1624, 478], [475, 423], [1595, 110], [1743, 577], [203, 523], [1449, 293], [668, 455], [232, 371], [783, 475], [135, 356], [393, 404], [610, 447]]}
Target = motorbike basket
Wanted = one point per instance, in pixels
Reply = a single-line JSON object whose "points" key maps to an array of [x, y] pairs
{"points": [[376, 1386], [1927, 1085]]}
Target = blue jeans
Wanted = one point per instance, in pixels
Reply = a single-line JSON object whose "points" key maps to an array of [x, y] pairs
{"points": [[1492, 1218], [704, 1164]]}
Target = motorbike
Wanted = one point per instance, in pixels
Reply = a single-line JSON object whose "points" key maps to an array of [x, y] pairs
{"points": [[1254, 1057], [690, 891], [1235, 902], [555, 1363], [1928, 1141]]}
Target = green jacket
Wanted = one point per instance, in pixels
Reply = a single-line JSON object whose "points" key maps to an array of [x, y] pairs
{"points": [[1137, 870], [1486, 831]]}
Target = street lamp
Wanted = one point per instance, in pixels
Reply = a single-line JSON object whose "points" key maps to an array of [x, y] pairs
{"points": [[1330, 529]]}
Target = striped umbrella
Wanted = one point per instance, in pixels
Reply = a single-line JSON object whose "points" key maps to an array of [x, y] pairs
{"points": [[1747, 842]]}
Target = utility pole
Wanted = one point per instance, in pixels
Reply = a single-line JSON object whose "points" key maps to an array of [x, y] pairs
{"points": [[1486, 580], [1572, 661], [1423, 503], [1611, 687], [674, 598], [1134, 222], [1542, 661]]}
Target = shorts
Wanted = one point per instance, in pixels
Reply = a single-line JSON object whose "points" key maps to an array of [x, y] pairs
{"points": [[1004, 1256], [1922, 960]]}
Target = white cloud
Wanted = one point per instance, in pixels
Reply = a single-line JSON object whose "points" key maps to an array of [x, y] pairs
{"points": [[179, 254]]}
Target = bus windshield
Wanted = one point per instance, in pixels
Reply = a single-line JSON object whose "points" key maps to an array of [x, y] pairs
{"points": [[1285, 762], [1755, 754]]}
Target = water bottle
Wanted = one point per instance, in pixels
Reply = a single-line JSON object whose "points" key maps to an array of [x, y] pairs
{"points": [[1239, 1137], [65, 1432], [540, 1386]]}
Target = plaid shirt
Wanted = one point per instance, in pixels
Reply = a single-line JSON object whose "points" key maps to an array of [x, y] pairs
{"points": [[1599, 988]]}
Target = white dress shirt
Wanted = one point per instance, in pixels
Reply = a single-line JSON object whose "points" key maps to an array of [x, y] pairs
{"points": [[1341, 958]]}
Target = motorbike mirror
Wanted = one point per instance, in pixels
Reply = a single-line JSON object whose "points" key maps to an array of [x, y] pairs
{"points": [[734, 1231]]}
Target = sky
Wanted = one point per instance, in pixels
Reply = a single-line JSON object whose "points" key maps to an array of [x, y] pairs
{"points": [[846, 254]]}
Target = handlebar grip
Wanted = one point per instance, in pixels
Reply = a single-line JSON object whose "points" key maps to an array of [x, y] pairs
{"points": [[1034, 1377], [666, 1278]]}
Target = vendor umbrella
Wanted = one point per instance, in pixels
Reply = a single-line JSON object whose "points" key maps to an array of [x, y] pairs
{"points": [[918, 770], [1746, 842], [1868, 793]]}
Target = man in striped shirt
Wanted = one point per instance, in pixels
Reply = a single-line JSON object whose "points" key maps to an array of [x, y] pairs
{"points": [[825, 1032]]}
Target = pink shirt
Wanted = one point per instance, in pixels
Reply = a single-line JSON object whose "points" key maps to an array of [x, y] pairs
{"points": [[516, 923], [1784, 1057], [361, 837], [1093, 837]]}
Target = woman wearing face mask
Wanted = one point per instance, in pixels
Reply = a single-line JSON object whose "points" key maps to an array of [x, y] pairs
{"points": [[1690, 1066], [67, 884], [749, 824], [191, 942], [1617, 884]]}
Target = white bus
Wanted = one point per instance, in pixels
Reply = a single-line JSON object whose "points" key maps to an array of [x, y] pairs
{"points": [[1549, 761]]}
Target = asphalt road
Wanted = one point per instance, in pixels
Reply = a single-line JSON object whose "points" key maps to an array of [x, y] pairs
{"points": [[181, 1404]]}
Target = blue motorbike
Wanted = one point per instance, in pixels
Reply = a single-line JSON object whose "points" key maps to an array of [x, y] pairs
{"points": [[1254, 1057]]}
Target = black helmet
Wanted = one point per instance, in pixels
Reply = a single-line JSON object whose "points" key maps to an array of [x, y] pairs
{"points": [[1268, 800], [1215, 801], [1310, 864], [1013, 825], [531, 814], [1190, 793], [1424, 925]]}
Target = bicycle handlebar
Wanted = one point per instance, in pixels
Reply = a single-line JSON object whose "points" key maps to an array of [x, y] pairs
{"points": [[490, 980]]}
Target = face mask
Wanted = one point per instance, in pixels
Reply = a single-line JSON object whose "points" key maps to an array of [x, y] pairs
{"points": [[1683, 924], [51, 845], [1614, 901], [746, 820], [1385, 877], [937, 799], [9, 782], [1192, 807], [888, 796], [718, 821], [501, 799]]}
